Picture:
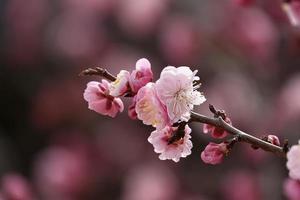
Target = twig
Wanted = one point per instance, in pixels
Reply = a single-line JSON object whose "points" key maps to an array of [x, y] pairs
{"points": [[243, 137], [99, 72]]}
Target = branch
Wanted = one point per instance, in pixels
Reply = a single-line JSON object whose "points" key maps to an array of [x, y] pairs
{"points": [[99, 72], [243, 137]]}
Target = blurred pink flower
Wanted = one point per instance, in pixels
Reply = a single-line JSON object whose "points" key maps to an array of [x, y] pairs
{"points": [[24, 26], [174, 151], [120, 85], [76, 37], [255, 40], [293, 162], [149, 109], [273, 139], [99, 100], [292, 10], [287, 108], [215, 131], [140, 18], [141, 75], [291, 189], [16, 187], [175, 89], [151, 182], [239, 185], [214, 153], [180, 40], [62, 172]]}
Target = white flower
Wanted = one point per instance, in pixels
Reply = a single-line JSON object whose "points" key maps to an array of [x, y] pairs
{"points": [[176, 90]]}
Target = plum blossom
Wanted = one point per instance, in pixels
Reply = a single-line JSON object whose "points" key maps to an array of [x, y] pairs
{"points": [[215, 131], [292, 189], [174, 151], [149, 109], [121, 85], [176, 90], [293, 162], [214, 153], [273, 139], [141, 75], [292, 10], [99, 100]]}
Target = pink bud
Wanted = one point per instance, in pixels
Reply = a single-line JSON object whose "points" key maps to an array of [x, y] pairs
{"points": [[273, 139], [216, 132], [99, 100], [214, 153], [292, 189], [141, 75]]}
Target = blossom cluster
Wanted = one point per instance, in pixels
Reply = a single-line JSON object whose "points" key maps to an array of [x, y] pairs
{"points": [[165, 104]]}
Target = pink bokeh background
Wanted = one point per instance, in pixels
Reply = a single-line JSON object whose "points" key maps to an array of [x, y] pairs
{"points": [[52, 147]]}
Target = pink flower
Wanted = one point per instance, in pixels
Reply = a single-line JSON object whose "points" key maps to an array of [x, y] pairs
{"points": [[131, 110], [141, 75], [15, 186], [292, 189], [99, 100], [214, 153], [149, 109], [174, 151], [175, 89], [273, 139], [121, 85], [216, 132], [292, 10], [293, 162]]}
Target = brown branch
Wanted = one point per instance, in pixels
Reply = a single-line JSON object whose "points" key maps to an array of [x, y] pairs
{"points": [[98, 71], [243, 137]]}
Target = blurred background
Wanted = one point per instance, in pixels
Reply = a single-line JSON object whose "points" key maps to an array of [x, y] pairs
{"points": [[53, 148]]}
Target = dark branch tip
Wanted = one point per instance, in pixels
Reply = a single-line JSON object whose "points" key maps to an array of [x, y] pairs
{"points": [[212, 109], [285, 146]]}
